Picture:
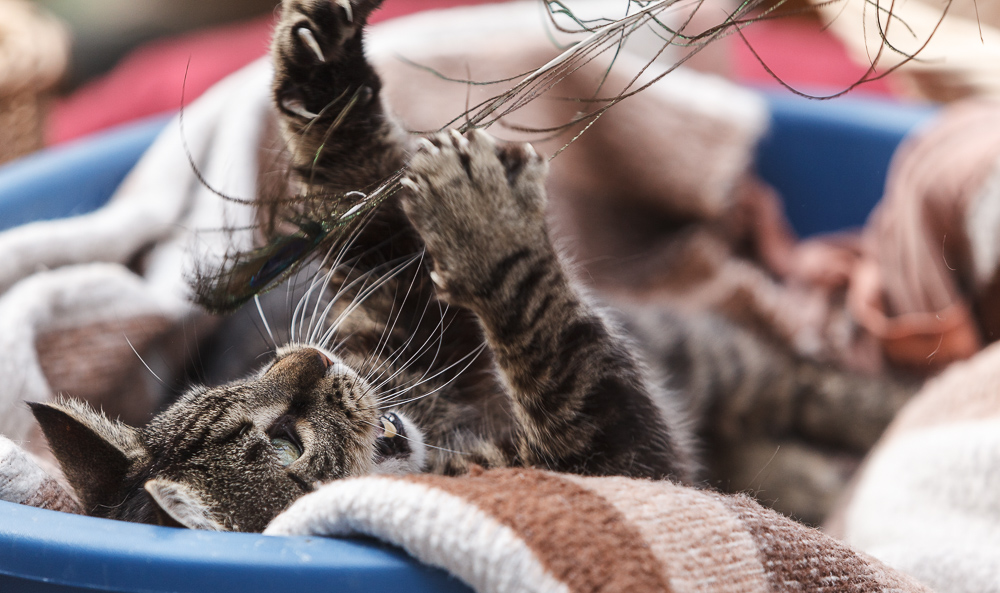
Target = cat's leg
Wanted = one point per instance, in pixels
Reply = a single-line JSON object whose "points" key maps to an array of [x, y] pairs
{"points": [[581, 399], [328, 97]]}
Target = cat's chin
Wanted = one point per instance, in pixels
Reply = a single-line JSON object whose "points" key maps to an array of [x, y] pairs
{"points": [[399, 446]]}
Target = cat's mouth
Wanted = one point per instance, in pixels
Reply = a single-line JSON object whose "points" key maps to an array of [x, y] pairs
{"points": [[391, 441]]}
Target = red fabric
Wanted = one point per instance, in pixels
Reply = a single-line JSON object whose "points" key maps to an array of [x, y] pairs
{"points": [[800, 53], [151, 79]]}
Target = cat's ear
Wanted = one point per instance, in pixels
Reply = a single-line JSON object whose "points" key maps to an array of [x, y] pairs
{"points": [[180, 505], [95, 453]]}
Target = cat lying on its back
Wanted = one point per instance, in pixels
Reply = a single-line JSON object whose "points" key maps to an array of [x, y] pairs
{"points": [[234, 456], [483, 351], [569, 394]]}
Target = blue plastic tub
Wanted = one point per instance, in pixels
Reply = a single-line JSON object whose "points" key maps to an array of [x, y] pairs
{"points": [[73, 179], [828, 159]]}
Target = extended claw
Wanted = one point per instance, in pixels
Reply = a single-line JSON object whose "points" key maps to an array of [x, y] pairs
{"points": [[427, 145], [309, 39], [409, 184], [346, 5], [298, 108], [460, 140], [389, 428], [437, 280]]}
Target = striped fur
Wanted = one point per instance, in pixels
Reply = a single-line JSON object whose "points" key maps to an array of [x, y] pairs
{"points": [[569, 394], [453, 309], [579, 399], [211, 455]]}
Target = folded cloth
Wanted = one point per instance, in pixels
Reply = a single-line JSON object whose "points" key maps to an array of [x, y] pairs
{"points": [[531, 530], [926, 284], [937, 50], [916, 289], [24, 481], [924, 276], [925, 501], [84, 300]]}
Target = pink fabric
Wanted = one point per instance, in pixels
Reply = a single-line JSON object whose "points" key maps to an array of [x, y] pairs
{"points": [[918, 291], [151, 79], [800, 53]]}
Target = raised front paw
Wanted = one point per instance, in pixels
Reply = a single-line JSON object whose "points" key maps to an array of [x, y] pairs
{"points": [[479, 207], [318, 57]]}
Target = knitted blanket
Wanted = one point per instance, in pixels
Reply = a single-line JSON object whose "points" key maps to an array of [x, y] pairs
{"points": [[97, 307], [24, 481], [926, 499], [522, 530], [535, 531], [85, 302]]}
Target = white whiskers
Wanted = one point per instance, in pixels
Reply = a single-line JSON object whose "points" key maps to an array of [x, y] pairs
{"points": [[263, 319]]}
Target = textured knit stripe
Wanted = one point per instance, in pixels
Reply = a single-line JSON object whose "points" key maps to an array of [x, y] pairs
{"points": [[703, 546], [508, 531], [798, 558], [433, 526], [580, 537]]}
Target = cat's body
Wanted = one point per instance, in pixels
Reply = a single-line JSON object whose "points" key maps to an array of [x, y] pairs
{"points": [[475, 347]]}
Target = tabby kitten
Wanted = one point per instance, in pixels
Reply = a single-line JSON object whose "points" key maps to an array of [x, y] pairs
{"points": [[567, 393], [473, 346]]}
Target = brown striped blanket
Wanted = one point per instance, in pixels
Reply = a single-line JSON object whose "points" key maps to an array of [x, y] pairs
{"points": [[531, 530]]}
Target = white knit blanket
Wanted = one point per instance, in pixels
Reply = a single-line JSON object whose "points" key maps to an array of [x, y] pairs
{"points": [[85, 300], [926, 501]]}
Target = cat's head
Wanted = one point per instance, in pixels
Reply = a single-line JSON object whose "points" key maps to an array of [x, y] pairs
{"points": [[232, 457]]}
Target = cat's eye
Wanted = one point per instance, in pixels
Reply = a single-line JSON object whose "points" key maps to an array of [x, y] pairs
{"points": [[287, 451], [285, 440]]}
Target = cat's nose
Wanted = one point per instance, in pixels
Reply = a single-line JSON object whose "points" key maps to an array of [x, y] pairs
{"points": [[304, 367], [324, 359]]}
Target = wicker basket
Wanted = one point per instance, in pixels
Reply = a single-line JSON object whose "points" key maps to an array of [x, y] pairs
{"points": [[34, 53]]}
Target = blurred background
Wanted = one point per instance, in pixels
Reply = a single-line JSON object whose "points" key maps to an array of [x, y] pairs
{"points": [[104, 30], [102, 63], [107, 62]]}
